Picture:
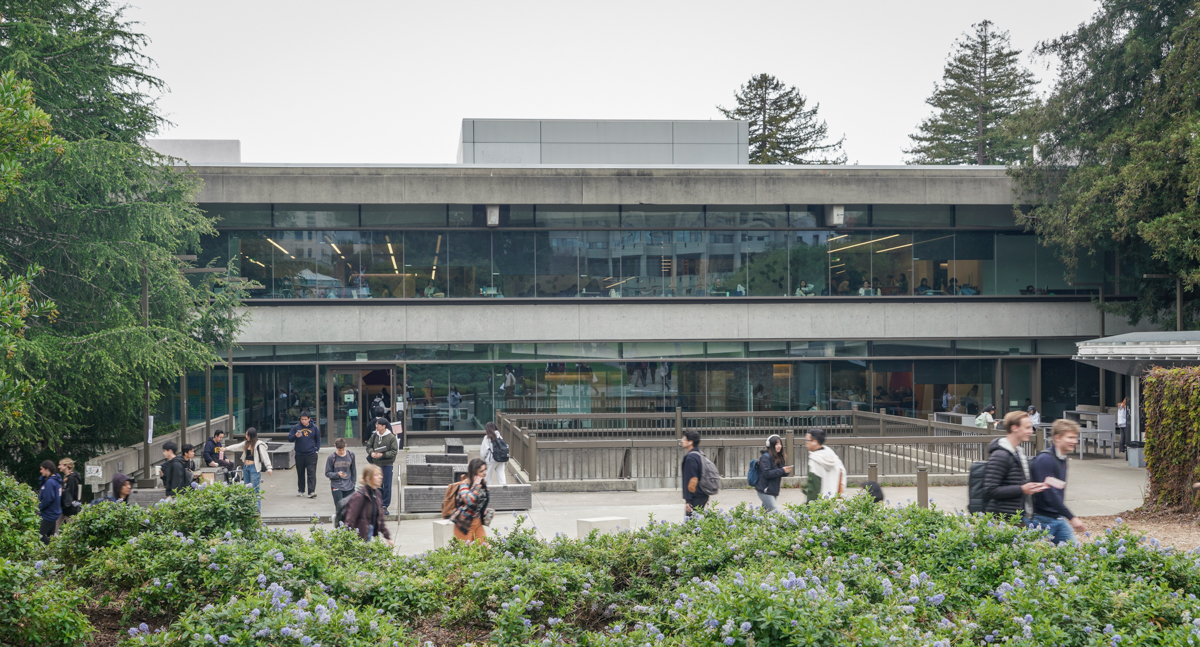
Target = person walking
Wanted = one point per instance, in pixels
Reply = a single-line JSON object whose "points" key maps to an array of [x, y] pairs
{"points": [[1007, 487], [487, 451], [72, 492], [985, 420], [174, 471], [340, 470], [1050, 467], [382, 447], [472, 503], [692, 468], [454, 399], [364, 508], [1123, 423], [306, 435], [121, 487], [49, 500], [255, 460], [826, 473], [772, 466]]}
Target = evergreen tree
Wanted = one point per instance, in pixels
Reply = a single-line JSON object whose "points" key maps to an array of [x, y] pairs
{"points": [[782, 129], [1116, 172], [98, 216], [983, 85]]}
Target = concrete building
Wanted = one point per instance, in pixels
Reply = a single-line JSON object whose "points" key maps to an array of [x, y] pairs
{"points": [[560, 287]]}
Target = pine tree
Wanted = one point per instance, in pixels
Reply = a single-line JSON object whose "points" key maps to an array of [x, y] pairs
{"points": [[982, 86], [782, 129]]}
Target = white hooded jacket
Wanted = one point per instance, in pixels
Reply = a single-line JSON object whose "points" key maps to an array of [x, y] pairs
{"points": [[829, 467]]}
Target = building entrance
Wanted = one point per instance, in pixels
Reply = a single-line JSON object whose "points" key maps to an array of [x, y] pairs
{"points": [[353, 397]]}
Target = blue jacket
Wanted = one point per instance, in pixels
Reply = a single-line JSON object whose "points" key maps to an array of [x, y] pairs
{"points": [[1049, 503], [307, 439], [50, 497]]}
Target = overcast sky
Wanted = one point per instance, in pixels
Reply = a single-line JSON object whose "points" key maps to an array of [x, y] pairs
{"points": [[390, 82]]}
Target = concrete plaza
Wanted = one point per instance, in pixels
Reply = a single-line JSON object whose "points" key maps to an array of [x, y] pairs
{"points": [[1097, 487]]}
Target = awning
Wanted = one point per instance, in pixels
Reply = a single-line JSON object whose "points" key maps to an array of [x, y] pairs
{"points": [[1134, 353]]}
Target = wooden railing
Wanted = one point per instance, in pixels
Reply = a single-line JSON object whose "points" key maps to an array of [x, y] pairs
{"points": [[555, 447]]}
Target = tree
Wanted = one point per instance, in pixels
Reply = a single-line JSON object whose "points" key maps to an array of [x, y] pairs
{"points": [[1118, 165], [782, 129], [983, 86], [24, 130], [99, 216]]}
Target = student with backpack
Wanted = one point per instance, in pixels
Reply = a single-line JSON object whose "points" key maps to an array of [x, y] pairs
{"points": [[826, 473], [72, 492], [382, 448], [494, 451], [767, 471], [340, 470], [363, 511], [1007, 487], [700, 477]]}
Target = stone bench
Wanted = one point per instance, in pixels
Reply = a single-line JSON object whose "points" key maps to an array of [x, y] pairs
{"points": [[147, 497], [455, 446], [428, 498], [434, 474], [443, 532], [602, 525], [436, 459]]}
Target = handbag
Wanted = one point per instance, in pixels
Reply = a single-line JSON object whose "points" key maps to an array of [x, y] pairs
{"points": [[371, 448], [487, 516]]}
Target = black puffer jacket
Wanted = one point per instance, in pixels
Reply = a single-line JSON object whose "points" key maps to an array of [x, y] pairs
{"points": [[1002, 481], [769, 475]]}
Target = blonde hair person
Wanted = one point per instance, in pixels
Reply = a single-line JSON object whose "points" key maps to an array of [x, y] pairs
{"points": [[364, 508]]}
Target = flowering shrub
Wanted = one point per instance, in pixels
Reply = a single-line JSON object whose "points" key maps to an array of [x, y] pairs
{"points": [[18, 519], [36, 609]]}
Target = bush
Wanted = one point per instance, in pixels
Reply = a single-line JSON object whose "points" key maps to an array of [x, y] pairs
{"points": [[19, 519], [1171, 402], [97, 526], [36, 609]]}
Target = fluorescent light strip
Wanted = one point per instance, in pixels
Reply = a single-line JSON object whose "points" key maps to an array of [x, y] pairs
{"points": [[335, 248], [836, 237], [394, 267], [390, 251], [280, 248], [891, 248], [839, 265], [438, 250], [868, 242]]}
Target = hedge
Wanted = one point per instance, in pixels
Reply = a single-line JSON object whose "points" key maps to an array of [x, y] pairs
{"points": [[1171, 406]]}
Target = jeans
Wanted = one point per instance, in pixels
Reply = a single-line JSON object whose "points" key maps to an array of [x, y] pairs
{"points": [[252, 478], [385, 492], [1060, 529], [338, 496], [769, 502], [306, 465]]}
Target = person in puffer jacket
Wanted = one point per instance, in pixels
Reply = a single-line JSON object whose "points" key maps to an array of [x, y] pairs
{"points": [[1006, 484], [772, 468]]}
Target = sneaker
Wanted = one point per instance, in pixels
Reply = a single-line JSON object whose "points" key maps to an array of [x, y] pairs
{"points": [[299, 494], [385, 512], [312, 495]]}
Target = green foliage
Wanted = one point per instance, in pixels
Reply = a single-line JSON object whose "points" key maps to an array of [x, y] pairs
{"points": [[783, 130], [39, 610], [24, 130], [983, 86], [17, 308], [98, 525], [1118, 164], [19, 519], [1171, 404]]}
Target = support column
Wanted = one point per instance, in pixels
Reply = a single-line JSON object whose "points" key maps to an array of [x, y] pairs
{"points": [[208, 401]]}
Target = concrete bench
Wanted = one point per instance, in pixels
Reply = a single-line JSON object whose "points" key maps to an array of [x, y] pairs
{"points": [[602, 525], [428, 498], [443, 532], [436, 459], [434, 474], [147, 497], [454, 446]]}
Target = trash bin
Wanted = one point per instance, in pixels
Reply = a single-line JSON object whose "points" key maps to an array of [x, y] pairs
{"points": [[1134, 453]]}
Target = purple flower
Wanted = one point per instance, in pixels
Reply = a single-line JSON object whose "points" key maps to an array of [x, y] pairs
{"points": [[937, 599], [286, 631], [279, 557], [133, 632], [745, 627], [306, 640], [224, 640], [144, 628], [729, 640]]}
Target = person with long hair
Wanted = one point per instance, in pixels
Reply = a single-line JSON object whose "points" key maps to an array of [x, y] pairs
{"points": [[495, 470], [255, 460], [472, 503], [772, 466], [364, 508]]}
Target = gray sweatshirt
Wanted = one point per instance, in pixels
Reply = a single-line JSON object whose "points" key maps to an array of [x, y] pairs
{"points": [[335, 464]]}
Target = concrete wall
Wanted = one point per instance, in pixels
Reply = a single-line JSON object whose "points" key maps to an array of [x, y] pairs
{"points": [[571, 141], [200, 151], [745, 185], [606, 320]]}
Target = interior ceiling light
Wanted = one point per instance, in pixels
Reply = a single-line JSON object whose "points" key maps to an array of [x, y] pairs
{"points": [[866, 242], [438, 249], [335, 248], [394, 267], [280, 248], [837, 237], [891, 248], [390, 250]]}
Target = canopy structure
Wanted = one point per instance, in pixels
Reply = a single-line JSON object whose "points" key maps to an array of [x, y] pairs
{"points": [[1133, 353]]}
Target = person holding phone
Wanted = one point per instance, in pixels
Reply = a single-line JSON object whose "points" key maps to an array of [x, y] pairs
{"points": [[1050, 467], [1007, 483], [771, 467]]}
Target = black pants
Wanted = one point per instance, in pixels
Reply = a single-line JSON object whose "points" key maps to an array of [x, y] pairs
{"points": [[338, 495], [1122, 438], [47, 530], [306, 465], [698, 502]]}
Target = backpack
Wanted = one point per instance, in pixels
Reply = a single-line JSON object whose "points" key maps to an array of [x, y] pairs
{"points": [[752, 473], [450, 502], [378, 409], [499, 450], [710, 478], [339, 517], [977, 501]]}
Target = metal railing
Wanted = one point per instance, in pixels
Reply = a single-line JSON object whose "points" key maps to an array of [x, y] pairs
{"points": [[554, 447], [99, 471]]}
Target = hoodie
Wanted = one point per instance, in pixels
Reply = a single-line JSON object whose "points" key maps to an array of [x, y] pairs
{"points": [[826, 464], [50, 497], [119, 480]]}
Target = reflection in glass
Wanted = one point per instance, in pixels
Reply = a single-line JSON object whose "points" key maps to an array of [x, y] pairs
{"points": [[974, 264], [568, 216], [469, 271], [316, 215], [892, 389], [808, 261], [513, 265], [933, 256], [848, 386], [1016, 263], [425, 260], [850, 265], [404, 215], [747, 216], [668, 216], [557, 260], [891, 263]]}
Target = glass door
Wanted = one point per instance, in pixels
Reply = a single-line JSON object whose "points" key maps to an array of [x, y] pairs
{"points": [[347, 407], [1019, 387]]}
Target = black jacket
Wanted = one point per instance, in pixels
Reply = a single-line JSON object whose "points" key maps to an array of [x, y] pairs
{"points": [[211, 452], [71, 500], [1049, 502], [692, 468], [174, 476], [769, 475], [1002, 481]]}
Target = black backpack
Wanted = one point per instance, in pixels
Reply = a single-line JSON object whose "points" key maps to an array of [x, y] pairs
{"points": [[340, 517], [977, 500], [499, 450]]}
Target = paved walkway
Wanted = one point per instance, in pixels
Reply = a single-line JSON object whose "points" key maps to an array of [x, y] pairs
{"points": [[1097, 486]]}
